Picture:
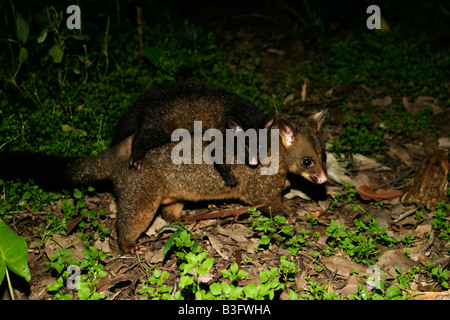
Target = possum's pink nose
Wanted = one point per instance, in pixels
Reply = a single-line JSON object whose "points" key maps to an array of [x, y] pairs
{"points": [[322, 178]]}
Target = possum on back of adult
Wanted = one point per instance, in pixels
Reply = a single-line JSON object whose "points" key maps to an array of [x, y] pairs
{"points": [[161, 110]]}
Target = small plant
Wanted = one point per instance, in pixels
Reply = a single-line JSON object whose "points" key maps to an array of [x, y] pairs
{"points": [[316, 292], [154, 288], [273, 228], [181, 238], [400, 121], [223, 290], [69, 271], [407, 240], [287, 270], [234, 273], [358, 136], [439, 275], [269, 283], [408, 277], [391, 293], [349, 196], [298, 241], [360, 243], [440, 221]]}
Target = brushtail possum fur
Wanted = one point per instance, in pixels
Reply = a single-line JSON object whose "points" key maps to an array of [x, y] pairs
{"points": [[162, 184], [159, 111]]}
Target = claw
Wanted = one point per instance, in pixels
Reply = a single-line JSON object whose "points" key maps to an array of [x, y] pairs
{"points": [[138, 249]]}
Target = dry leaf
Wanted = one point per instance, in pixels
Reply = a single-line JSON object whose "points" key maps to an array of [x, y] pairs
{"points": [[400, 153], [368, 194], [444, 142], [289, 98], [277, 52], [304, 87], [382, 102]]}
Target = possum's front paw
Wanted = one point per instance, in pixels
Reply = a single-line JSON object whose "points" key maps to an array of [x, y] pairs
{"points": [[135, 164]]}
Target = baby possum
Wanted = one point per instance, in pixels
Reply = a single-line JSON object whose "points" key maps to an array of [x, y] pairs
{"points": [[159, 111]]}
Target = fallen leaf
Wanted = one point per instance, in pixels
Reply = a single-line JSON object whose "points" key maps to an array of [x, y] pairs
{"points": [[304, 87], [277, 52], [343, 267], [296, 193], [368, 194], [237, 232], [382, 102], [317, 214], [400, 153], [289, 98], [420, 103], [222, 249], [156, 225], [393, 259], [73, 243], [444, 142]]}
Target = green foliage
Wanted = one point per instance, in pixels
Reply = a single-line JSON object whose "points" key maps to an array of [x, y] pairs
{"points": [[393, 292], [400, 121], [13, 255], [17, 197], [440, 221], [85, 283], [360, 243], [273, 228], [154, 288], [385, 58], [358, 136]]}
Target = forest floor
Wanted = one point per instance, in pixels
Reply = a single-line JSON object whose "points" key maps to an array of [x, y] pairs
{"points": [[344, 240]]}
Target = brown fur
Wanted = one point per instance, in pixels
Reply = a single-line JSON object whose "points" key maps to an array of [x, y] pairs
{"points": [[160, 182]]}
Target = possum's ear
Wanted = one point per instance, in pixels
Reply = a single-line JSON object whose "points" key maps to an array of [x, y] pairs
{"points": [[318, 118], [234, 124], [287, 132], [269, 120]]}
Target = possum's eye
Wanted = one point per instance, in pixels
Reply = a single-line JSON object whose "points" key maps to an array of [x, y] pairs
{"points": [[307, 162]]}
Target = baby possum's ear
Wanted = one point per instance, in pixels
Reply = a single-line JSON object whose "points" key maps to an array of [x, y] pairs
{"points": [[269, 120], [234, 124]]}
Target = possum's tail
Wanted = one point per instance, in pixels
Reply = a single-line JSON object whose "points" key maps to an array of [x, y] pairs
{"points": [[53, 170], [64, 171]]}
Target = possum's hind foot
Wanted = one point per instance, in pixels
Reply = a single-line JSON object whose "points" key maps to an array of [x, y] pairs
{"points": [[138, 249]]}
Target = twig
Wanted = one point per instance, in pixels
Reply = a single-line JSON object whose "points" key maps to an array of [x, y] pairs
{"points": [[404, 215]]}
